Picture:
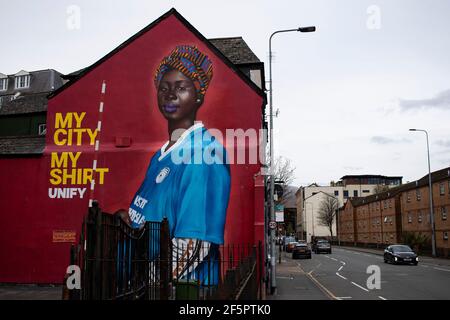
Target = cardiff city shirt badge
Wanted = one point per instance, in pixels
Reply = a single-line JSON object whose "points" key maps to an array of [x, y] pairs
{"points": [[162, 175]]}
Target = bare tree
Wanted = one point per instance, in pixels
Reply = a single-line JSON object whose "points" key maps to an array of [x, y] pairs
{"points": [[379, 188], [284, 172], [327, 212]]}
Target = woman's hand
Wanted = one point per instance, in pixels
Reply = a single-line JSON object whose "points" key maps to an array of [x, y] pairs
{"points": [[123, 214]]}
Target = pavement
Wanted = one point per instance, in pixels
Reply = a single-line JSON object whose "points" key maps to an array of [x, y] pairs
{"points": [[349, 274], [30, 292], [293, 283]]}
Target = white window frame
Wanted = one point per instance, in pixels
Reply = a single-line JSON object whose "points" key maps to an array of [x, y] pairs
{"points": [[4, 84], [42, 129], [444, 213], [441, 189], [18, 81]]}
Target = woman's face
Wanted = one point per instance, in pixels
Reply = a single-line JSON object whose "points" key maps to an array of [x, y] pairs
{"points": [[177, 97]]}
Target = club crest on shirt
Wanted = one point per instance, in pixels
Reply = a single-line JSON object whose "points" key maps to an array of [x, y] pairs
{"points": [[162, 175]]}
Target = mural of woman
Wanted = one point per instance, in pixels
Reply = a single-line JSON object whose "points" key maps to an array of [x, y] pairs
{"points": [[188, 179]]}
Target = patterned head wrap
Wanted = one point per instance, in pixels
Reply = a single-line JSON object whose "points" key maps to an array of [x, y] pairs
{"points": [[190, 62]]}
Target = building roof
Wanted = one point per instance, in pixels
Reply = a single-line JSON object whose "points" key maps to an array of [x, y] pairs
{"points": [[365, 176], [75, 76], [26, 145], [235, 49], [436, 176], [30, 103], [41, 81]]}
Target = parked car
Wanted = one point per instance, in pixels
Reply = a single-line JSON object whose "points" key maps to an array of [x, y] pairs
{"points": [[290, 246], [301, 250], [400, 253], [322, 246]]}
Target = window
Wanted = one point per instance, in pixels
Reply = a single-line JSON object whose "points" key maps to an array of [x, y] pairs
{"points": [[385, 204], [336, 192], [409, 217], [390, 205], [445, 235], [366, 191], [408, 197], [3, 84], [345, 194], [22, 82], [444, 213], [355, 193], [419, 217], [441, 189], [42, 129], [418, 195], [385, 219]]}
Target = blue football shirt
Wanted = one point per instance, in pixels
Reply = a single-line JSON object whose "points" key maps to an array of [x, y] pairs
{"points": [[190, 185]]}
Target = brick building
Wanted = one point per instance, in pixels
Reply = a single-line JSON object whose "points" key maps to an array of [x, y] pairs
{"points": [[383, 219]]}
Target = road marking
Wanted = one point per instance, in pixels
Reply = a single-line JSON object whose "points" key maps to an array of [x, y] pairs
{"points": [[341, 276], [340, 298], [441, 269], [322, 287], [289, 278], [424, 266], [334, 259], [360, 286], [327, 257], [342, 262], [367, 255], [340, 268], [382, 298]]}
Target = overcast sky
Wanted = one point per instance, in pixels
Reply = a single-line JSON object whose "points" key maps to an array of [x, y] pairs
{"points": [[347, 94]]}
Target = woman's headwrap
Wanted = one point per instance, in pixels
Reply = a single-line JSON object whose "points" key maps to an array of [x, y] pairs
{"points": [[189, 61]]}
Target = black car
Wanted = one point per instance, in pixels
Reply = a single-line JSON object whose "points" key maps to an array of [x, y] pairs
{"points": [[322, 246], [400, 253], [301, 250]]}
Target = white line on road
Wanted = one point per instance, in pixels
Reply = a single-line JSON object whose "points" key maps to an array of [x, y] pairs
{"points": [[355, 284], [340, 298], [367, 255], [340, 268], [334, 259], [441, 269], [356, 253], [341, 276], [382, 298], [423, 266], [342, 262], [327, 257]]}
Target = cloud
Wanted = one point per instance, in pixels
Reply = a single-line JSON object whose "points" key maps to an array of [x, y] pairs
{"points": [[350, 168], [443, 143], [440, 101], [386, 140]]}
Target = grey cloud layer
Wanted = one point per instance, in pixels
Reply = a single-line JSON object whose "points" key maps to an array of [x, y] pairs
{"points": [[440, 101], [386, 140]]}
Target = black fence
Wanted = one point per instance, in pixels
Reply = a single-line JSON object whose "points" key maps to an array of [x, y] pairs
{"points": [[119, 262]]}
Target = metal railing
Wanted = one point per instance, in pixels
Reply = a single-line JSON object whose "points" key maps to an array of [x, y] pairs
{"points": [[119, 262]]}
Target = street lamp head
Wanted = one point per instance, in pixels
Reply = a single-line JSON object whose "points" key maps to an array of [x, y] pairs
{"points": [[307, 29]]}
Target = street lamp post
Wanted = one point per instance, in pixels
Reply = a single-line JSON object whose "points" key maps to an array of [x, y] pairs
{"points": [[433, 236], [272, 180]]}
